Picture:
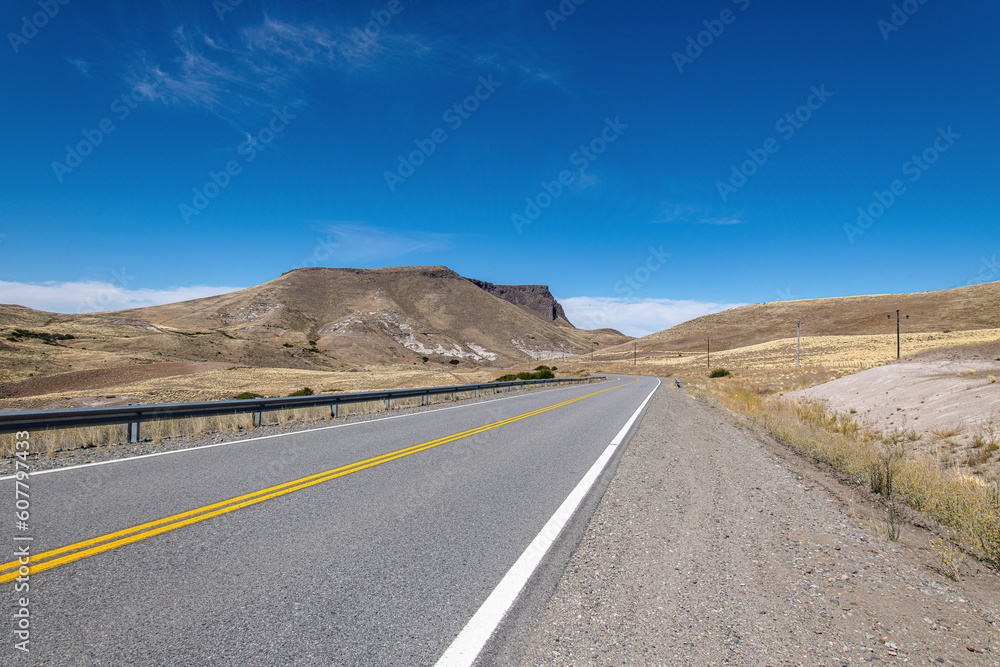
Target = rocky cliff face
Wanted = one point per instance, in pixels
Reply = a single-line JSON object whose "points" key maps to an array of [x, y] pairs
{"points": [[536, 299]]}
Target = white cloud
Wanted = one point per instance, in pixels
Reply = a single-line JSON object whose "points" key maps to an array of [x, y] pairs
{"points": [[636, 317], [92, 296]]}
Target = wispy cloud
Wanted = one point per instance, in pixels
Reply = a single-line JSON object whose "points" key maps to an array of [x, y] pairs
{"points": [[683, 213], [260, 71], [93, 296], [355, 241], [268, 62], [636, 317], [82, 66]]}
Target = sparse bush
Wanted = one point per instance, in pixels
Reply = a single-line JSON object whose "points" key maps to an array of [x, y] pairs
{"points": [[425, 359], [453, 362], [542, 368], [286, 345], [884, 461], [305, 391], [247, 395], [525, 375], [719, 373], [17, 335]]}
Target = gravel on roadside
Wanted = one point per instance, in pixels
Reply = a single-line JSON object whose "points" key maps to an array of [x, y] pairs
{"points": [[714, 546]]}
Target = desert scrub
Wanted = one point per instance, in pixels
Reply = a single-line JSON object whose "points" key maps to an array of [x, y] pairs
{"points": [[947, 497], [719, 373]]}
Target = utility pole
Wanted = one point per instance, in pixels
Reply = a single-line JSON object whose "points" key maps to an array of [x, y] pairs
{"points": [[635, 359], [709, 341], [798, 341], [897, 318], [592, 346]]}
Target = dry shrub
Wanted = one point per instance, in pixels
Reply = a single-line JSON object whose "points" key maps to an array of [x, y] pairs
{"points": [[947, 497]]}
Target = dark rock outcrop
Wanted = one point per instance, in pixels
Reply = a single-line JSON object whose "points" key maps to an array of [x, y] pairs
{"points": [[536, 299]]}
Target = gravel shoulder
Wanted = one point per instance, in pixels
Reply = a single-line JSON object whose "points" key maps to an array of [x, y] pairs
{"points": [[714, 546]]}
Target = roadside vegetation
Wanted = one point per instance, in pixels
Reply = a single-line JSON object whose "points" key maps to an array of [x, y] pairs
{"points": [[541, 373], [950, 497]]}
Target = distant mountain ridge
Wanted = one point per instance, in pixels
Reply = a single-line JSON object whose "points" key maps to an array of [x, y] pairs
{"points": [[535, 299], [319, 319]]}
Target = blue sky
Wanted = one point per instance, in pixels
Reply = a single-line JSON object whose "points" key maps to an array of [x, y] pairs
{"points": [[651, 162]]}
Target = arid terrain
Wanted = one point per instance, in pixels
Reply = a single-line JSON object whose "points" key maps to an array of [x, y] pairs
{"points": [[840, 336], [328, 329]]}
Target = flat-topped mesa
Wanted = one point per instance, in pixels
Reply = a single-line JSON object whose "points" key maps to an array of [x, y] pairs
{"points": [[536, 299]]}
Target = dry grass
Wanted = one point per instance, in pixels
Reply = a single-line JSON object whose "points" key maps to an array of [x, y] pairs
{"points": [[948, 497], [831, 356]]}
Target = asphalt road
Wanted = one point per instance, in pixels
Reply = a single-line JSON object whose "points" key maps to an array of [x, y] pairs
{"points": [[382, 563]]}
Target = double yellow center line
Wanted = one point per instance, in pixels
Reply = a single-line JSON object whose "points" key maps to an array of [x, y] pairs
{"points": [[94, 546]]}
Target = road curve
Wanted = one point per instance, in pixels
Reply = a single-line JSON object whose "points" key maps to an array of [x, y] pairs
{"points": [[373, 543]]}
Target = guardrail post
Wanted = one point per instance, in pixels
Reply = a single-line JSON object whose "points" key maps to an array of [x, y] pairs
{"points": [[132, 429], [426, 396], [256, 419], [387, 405], [333, 410], [454, 396], [477, 392]]}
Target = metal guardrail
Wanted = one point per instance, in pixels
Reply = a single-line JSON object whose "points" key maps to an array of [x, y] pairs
{"points": [[133, 415]]}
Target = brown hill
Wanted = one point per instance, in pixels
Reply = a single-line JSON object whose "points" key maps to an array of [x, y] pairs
{"points": [[960, 309], [312, 319]]}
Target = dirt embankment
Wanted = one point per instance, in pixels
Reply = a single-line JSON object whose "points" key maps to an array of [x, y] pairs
{"points": [[946, 397]]}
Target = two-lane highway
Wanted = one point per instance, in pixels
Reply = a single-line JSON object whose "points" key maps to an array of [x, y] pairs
{"points": [[400, 541]]}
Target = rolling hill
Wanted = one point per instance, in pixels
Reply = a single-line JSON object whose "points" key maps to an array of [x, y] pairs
{"points": [[959, 309], [308, 319]]}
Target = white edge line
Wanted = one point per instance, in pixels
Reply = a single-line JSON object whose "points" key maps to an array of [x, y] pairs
{"points": [[466, 647], [198, 448]]}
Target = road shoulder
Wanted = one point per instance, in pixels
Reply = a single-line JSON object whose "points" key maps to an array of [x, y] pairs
{"points": [[712, 545]]}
